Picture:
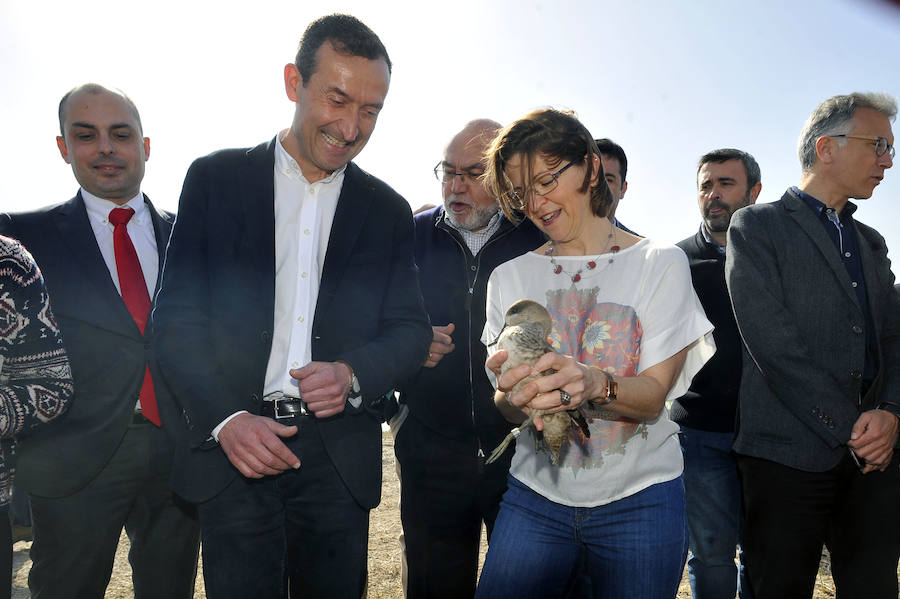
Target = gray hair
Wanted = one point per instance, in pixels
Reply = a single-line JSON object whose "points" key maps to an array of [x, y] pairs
{"points": [[833, 116]]}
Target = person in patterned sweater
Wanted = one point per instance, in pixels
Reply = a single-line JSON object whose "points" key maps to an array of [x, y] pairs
{"points": [[35, 378]]}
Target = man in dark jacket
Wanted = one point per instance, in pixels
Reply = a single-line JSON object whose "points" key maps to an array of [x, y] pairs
{"points": [[447, 411], [727, 179]]}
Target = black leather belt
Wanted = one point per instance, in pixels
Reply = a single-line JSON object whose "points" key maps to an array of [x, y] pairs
{"points": [[286, 407]]}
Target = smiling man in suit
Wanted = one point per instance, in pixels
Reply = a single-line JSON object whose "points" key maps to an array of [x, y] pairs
{"points": [[289, 307], [815, 304], [108, 462]]}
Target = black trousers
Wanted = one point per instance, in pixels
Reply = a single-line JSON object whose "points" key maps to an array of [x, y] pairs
{"points": [[299, 534], [75, 537], [445, 496], [790, 514]]}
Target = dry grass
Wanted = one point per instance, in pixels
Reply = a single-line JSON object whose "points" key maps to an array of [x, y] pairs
{"points": [[384, 553]]}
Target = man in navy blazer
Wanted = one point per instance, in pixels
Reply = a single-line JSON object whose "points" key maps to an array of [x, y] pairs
{"points": [[814, 300], [104, 465], [289, 307]]}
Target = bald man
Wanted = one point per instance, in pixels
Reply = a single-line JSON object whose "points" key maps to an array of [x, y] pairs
{"points": [[447, 420], [108, 462]]}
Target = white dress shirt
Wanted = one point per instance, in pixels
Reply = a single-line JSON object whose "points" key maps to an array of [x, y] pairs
{"points": [[304, 213]]}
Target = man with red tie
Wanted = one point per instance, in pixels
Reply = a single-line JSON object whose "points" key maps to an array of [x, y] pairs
{"points": [[107, 463]]}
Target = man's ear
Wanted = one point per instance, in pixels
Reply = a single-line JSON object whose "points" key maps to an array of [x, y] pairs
{"points": [[754, 192], [292, 80], [63, 149], [825, 147]]}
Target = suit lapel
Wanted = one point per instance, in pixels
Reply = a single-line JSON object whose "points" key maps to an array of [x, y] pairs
{"points": [[256, 199], [870, 275], [810, 225], [76, 234], [162, 226], [352, 209]]}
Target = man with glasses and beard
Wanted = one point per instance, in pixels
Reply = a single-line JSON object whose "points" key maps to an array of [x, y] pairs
{"points": [[447, 420], [727, 180]]}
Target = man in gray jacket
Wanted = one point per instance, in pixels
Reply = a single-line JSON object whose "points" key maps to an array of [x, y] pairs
{"points": [[814, 300]]}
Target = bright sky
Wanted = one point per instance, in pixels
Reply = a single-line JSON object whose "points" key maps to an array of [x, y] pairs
{"points": [[669, 81]]}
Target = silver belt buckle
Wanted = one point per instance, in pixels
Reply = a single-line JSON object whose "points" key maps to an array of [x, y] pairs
{"points": [[278, 416]]}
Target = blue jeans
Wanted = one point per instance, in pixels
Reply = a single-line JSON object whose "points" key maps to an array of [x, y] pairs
{"points": [[636, 546], [713, 491]]}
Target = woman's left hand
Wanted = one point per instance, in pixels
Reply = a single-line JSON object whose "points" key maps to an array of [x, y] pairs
{"points": [[571, 376]]}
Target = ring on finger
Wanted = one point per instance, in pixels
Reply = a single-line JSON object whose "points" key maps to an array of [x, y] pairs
{"points": [[564, 397]]}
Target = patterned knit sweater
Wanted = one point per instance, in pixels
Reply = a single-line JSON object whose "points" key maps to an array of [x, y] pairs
{"points": [[35, 378]]}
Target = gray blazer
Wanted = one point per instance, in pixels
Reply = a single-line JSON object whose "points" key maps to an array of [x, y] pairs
{"points": [[803, 333]]}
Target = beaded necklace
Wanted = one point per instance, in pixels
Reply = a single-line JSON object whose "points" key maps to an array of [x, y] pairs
{"points": [[610, 249]]}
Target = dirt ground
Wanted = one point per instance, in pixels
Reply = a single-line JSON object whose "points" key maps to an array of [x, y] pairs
{"points": [[384, 553]]}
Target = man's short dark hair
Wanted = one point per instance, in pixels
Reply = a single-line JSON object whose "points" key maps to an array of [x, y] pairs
{"points": [[95, 88], [610, 148], [751, 168], [347, 34]]}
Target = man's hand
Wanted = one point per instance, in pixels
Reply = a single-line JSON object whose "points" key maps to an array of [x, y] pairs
{"points": [[873, 438], [324, 387], [441, 345], [253, 446]]}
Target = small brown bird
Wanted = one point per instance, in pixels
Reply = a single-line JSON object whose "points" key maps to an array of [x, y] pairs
{"points": [[527, 325]]}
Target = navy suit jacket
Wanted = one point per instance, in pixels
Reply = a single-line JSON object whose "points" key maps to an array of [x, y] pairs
{"points": [[215, 312], [107, 351], [804, 333]]}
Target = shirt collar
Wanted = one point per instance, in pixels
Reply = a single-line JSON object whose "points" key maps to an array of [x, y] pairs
{"points": [[710, 241], [98, 209], [818, 207], [286, 165]]}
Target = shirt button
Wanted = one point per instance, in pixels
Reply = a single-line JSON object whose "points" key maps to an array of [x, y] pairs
{"points": [[306, 231], [846, 254], [299, 319], [303, 275], [855, 284], [295, 364], [472, 268]]}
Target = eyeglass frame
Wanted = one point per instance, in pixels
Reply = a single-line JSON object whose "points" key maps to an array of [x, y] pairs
{"points": [[442, 170], [520, 201], [888, 148]]}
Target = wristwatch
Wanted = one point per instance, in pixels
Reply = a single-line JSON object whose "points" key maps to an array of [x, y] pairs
{"points": [[354, 395], [610, 393]]}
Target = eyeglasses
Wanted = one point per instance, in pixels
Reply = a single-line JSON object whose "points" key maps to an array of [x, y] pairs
{"points": [[881, 143], [542, 186], [446, 173]]}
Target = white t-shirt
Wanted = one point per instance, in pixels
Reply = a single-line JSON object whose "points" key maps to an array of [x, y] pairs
{"points": [[624, 316]]}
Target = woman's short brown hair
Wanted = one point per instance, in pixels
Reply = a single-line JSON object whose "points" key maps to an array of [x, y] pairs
{"points": [[555, 135]]}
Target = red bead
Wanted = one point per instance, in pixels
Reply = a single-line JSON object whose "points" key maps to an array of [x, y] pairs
{"points": [[558, 269], [576, 278], [592, 265], [615, 248]]}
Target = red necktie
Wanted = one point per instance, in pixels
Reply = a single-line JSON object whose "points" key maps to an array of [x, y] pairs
{"points": [[134, 294]]}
